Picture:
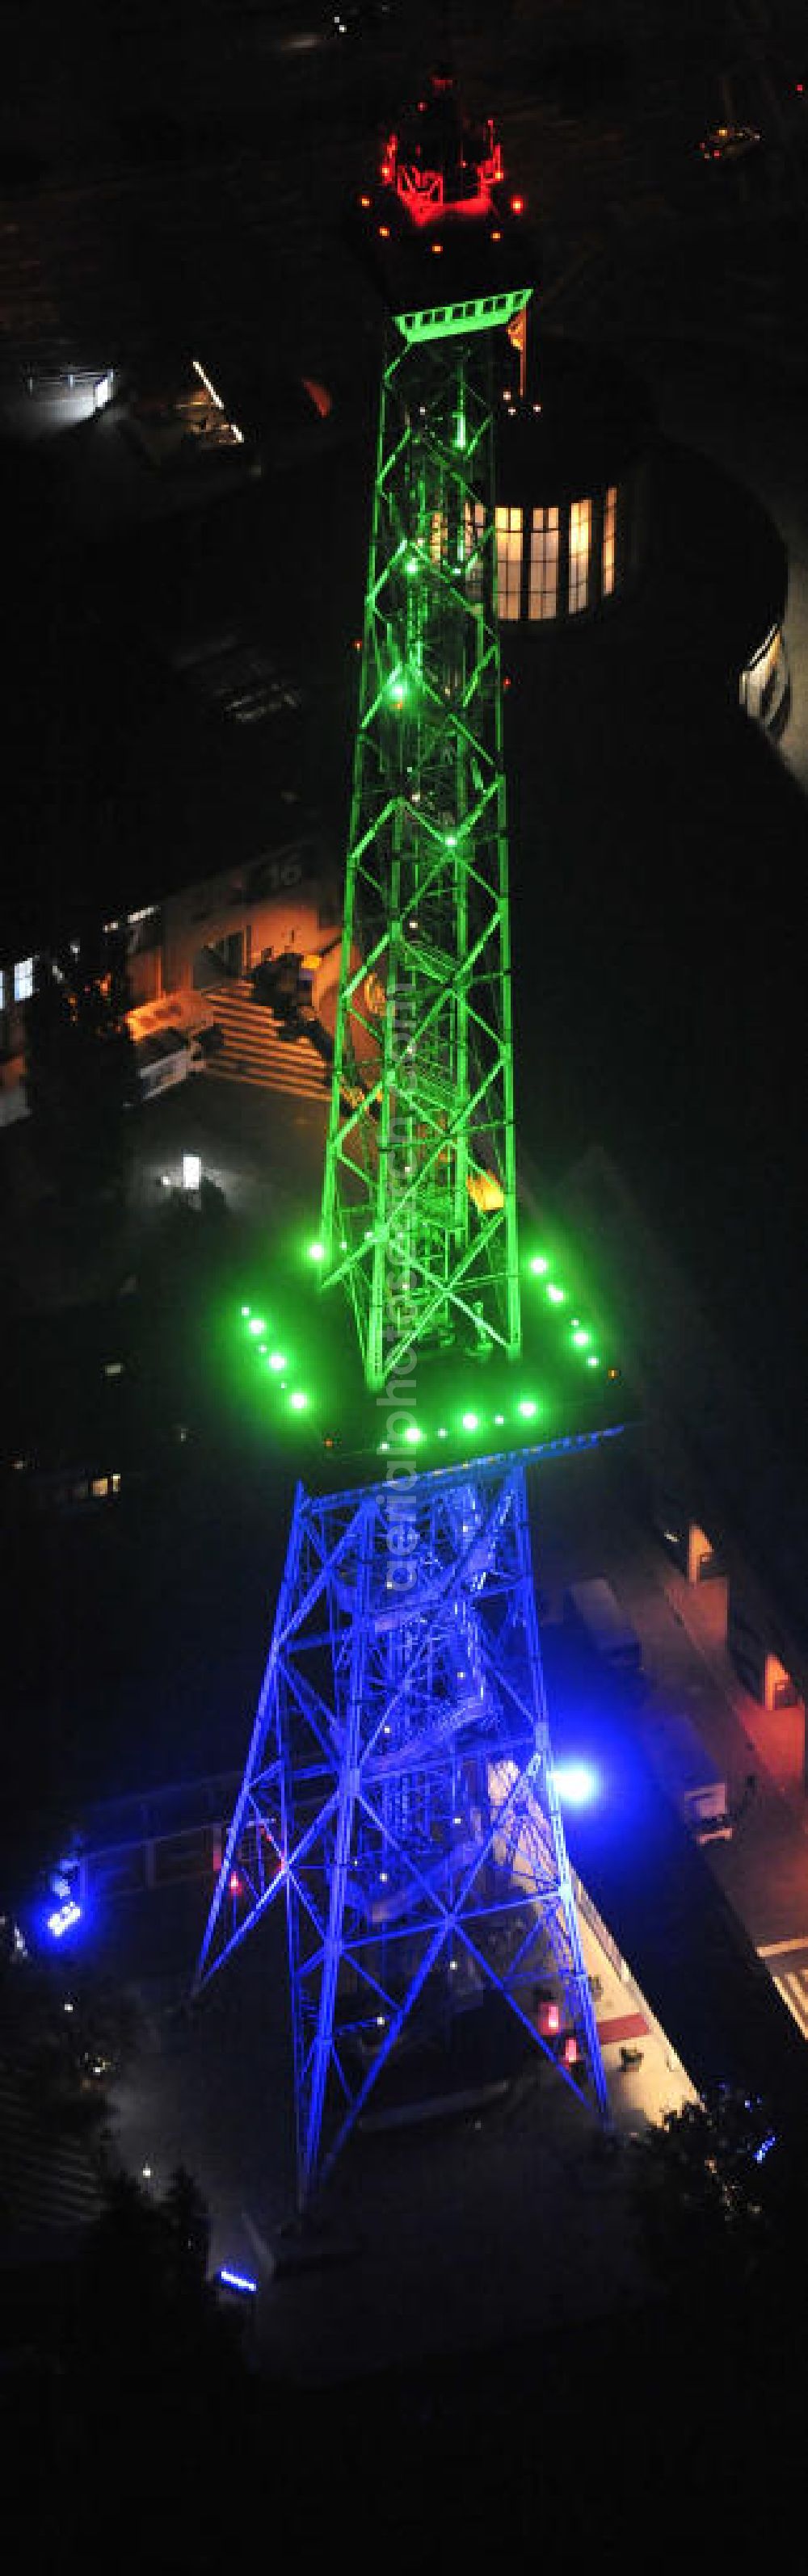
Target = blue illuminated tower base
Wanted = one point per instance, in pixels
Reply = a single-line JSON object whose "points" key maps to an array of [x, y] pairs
{"points": [[399, 1795]]}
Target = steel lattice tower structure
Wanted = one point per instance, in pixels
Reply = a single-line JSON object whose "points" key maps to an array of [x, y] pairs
{"points": [[419, 1198], [399, 1794]]}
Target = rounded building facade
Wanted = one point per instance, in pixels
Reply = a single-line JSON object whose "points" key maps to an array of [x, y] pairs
{"points": [[572, 484]]}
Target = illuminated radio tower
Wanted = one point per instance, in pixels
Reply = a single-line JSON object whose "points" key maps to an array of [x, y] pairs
{"points": [[419, 1199], [399, 1796]]}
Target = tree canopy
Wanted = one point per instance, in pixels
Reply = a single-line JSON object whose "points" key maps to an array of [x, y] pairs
{"points": [[722, 2200]]}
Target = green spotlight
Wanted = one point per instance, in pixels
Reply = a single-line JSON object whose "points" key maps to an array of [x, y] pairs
{"points": [[442, 1435], [412, 1433], [245, 1311], [316, 1251], [556, 1295], [593, 1361], [499, 1419], [581, 1339], [257, 1325], [527, 1408], [471, 1421], [539, 1266], [298, 1402], [276, 1360]]}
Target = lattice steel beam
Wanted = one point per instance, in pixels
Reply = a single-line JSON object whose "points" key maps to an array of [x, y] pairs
{"points": [[399, 1793], [419, 1198]]}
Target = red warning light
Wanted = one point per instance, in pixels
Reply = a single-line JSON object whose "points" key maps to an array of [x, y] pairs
{"points": [[570, 2052], [384, 232], [234, 1883], [517, 205], [364, 201], [437, 249]]}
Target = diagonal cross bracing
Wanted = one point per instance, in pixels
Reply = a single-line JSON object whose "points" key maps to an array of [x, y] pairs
{"points": [[399, 1794], [419, 1206]]}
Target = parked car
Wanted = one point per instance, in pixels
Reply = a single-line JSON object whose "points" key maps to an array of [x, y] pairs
{"points": [[729, 143]]}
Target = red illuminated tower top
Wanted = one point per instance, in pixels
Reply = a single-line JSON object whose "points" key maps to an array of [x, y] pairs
{"points": [[440, 193], [442, 167]]}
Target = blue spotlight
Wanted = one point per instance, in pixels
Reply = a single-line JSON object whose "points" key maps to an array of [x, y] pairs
{"points": [[237, 2281], [63, 1919], [765, 2144], [575, 1783]]}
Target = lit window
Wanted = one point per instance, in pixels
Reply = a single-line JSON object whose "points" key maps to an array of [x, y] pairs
{"points": [[438, 536], [543, 598], [99, 1488], [580, 541], [2, 990], [509, 560], [609, 528], [763, 680], [474, 534], [115, 1484], [24, 979]]}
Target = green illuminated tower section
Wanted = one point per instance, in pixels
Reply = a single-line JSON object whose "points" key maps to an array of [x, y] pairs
{"points": [[419, 1199]]}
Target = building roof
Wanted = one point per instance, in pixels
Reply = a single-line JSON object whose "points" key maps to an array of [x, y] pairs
{"points": [[125, 777], [652, 1885], [743, 1485], [49, 2191]]}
